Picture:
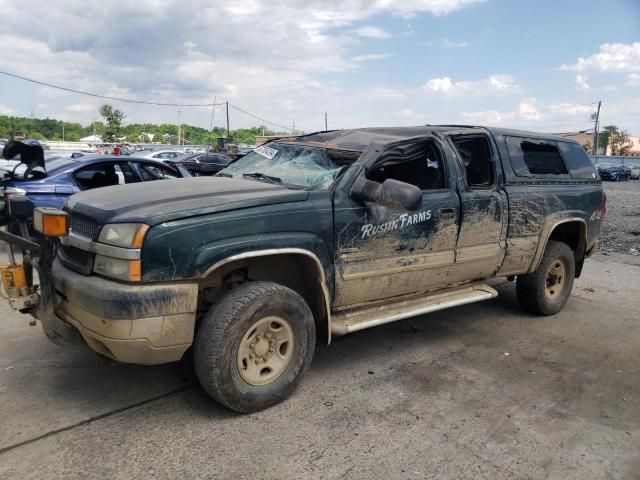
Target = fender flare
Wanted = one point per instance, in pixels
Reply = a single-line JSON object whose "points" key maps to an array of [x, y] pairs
{"points": [[284, 251], [547, 230]]}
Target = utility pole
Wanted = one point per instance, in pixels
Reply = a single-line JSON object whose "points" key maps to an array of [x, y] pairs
{"points": [[228, 133], [63, 131], [326, 128], [595, 132], [178, 126]]}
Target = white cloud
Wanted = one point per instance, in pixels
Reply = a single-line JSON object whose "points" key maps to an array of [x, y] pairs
{"points": [[82, 107], [369, 57], [494, 84], [443, 85], [529, 113], [581, 82], [444, 43], [612, 57], [6, 110], [449, 44], [372, 32], [408, 8], [286, 51], [633, 79]]}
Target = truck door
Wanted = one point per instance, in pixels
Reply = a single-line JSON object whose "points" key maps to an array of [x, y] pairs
{"points": [[481, 247], [383, 252]]}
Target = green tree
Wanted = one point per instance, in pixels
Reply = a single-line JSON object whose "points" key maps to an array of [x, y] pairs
{"points": [[113, 119], [616, 139]]}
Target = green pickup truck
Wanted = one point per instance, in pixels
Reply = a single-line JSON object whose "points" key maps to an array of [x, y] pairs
{"points": [[310, 237]]}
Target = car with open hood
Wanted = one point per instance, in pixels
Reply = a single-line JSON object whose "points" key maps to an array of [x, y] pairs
{"points": [[63, 176]]}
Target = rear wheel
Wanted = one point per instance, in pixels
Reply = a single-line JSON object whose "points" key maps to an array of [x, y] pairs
{"points": [[254, 345], [546, 291]]}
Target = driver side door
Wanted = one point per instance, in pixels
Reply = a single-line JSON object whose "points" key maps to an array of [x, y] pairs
{"points": [[382, 252]]}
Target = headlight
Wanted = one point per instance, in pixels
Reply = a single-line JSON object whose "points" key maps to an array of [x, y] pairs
{"points": [[128, 235], [128, 270]]}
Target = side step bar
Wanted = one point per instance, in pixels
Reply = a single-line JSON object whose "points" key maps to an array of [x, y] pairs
{"points": [[366, 317]]}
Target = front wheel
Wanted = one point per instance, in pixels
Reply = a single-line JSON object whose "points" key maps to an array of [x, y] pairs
{"points": [[546, 291], [253, 347]]}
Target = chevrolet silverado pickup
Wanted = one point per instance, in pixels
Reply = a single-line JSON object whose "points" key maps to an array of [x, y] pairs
{"points": [[311, 237]]}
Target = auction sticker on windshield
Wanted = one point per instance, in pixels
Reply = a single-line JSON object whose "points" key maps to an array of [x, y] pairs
{"points": [[267, 152]]}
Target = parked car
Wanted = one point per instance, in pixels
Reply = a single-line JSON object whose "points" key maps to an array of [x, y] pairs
{"points": [[36, 143], [66, 176], [161, 154], [635, 172], [202, 163], [615, 173], [316, 235]]}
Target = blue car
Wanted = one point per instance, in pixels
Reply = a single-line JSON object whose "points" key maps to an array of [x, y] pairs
{"points": [[615, 173], [66, 176]]}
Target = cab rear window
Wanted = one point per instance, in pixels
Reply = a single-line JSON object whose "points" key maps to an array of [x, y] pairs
{"points": [[577, 160], [533, 157]]}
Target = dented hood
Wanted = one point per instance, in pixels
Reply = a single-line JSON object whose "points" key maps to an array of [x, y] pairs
{"points": [[165, 200]]}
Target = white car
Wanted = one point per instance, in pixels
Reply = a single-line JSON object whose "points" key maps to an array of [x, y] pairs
{"points": [[161, 154], [635, 172]]}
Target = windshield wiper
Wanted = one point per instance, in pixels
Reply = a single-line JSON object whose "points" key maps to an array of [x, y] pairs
{"points": [[222, 174], [262, 176]]}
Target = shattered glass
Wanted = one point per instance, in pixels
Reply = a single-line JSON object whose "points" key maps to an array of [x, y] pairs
{"points": [[296, 165]]}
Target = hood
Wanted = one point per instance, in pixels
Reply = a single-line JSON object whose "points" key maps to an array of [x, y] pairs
{"points": [[165, 200]]}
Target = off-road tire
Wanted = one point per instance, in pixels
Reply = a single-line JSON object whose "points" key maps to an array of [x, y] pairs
{"points": [[222, 330], [531, 288]]}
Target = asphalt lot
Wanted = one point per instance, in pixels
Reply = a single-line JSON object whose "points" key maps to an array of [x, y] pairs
{"points": [[481, 391]]}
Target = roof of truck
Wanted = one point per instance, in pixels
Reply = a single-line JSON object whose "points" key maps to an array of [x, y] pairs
{"points": [[358, 139]]}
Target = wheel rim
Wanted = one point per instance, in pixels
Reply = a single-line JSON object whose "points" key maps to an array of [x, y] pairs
{"points": [[265, 351], [556, 278]]}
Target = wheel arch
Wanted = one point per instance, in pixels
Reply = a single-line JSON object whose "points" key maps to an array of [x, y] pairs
{"points": [[572, 231], [291, 267]]}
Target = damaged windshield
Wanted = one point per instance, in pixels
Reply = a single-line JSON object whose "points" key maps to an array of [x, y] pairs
{"points": [[287, 164]]}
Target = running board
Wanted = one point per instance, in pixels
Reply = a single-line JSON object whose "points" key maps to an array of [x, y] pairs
{"points": [[361, 318]]}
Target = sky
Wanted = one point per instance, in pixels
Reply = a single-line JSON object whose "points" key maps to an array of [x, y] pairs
{"points": [[539, 65]]}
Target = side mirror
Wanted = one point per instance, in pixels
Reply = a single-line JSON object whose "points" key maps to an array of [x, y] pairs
{"points": [[391, 193]]}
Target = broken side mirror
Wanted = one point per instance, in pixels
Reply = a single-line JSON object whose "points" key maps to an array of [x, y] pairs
{"points": [[391, 193]]}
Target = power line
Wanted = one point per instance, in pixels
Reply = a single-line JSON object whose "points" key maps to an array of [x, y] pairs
{"points": [[258, 118], [128, 100]]}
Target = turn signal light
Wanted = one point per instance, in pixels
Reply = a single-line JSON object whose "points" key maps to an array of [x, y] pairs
{"points": [[51, 222]]}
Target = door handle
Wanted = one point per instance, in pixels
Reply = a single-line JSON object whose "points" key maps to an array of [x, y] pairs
{"points": [[447, 212]]}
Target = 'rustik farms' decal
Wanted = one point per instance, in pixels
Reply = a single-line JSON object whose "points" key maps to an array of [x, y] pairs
{"points": [[401, 221]]}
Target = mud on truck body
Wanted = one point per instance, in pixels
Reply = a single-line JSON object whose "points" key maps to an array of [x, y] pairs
{"points": [[311, 237]]}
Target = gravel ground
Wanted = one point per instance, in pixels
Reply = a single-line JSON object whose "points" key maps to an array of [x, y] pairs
{"points": [[621, 229]]}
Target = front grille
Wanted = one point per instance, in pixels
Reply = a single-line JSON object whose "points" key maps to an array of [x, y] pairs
{"points": [[84, 226]]}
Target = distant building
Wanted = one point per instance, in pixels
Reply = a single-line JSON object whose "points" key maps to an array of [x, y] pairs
{"points": [[586, 138], [634, 151], [583, 138]]}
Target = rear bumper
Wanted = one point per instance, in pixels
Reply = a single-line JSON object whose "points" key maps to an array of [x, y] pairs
{"points": [[143, 324]]}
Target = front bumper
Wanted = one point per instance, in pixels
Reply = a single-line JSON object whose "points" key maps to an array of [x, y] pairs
{"points": [[608, 176], [143, 324]]}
